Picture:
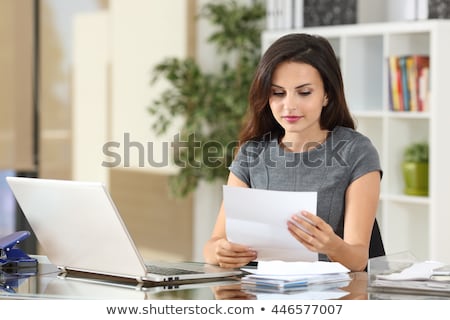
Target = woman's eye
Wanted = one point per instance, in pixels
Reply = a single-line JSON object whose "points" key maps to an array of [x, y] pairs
{"points": [[277, 93], [304, 93]]}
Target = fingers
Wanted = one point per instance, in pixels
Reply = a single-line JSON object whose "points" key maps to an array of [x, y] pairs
{"points": [[311, 223], [226, 245], [233, 263], [302, 235], [311, 231], [232, 255]]}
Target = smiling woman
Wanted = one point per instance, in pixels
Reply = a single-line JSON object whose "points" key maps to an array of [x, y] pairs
{"points": [[299, 136], [296, 102]]}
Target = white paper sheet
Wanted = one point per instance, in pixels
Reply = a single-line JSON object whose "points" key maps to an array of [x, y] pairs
{"points": [[418, 271], [283, 268], [304, 295], [258, 218]]}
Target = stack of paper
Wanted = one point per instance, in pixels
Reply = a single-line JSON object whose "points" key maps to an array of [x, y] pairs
{"points": [[281, 276], [420, 277]]}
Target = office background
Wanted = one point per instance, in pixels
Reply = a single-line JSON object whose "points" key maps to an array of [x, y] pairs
{"points": [[75, 76]]}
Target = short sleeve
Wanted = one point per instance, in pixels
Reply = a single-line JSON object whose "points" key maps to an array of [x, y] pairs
{"points": [[246, 157], [364, 157]]}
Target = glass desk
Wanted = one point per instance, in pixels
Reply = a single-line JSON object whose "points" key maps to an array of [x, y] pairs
{"points": [[49, 283]]}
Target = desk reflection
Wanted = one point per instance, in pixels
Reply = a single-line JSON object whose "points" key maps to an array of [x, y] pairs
{"points": [[232, 292], [357, 287], [354, 289], [50, 284]]}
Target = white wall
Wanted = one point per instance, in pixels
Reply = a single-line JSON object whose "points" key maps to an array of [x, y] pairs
{"points": [[114, 54], [90, 96], [143, 34]]}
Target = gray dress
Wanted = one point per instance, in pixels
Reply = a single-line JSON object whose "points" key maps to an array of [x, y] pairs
{"points": [[329, 169]]}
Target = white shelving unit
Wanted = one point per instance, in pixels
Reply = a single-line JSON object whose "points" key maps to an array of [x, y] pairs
{"points": [[420, 225]]}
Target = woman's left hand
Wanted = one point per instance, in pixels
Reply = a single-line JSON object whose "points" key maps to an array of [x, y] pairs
{"points": [[314, 233]]}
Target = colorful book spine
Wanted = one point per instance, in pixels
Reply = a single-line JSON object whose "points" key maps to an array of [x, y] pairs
{"points": [[405, 94], [409, 83], [395, 83], [412, 84], [423, 82]]}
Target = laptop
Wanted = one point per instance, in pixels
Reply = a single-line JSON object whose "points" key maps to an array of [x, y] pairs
{"points": [[80, 229]]}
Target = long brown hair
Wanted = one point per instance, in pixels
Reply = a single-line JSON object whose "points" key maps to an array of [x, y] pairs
{"points": [[297, 47]]}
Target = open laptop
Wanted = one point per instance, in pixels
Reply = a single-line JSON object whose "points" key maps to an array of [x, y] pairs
{"points": [[80, 229]]}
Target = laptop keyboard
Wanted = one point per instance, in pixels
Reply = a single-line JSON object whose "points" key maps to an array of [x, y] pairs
{"points": [[167, 271]]}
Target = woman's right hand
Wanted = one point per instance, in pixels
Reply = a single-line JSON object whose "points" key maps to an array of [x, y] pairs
{"points": [[233, 255]]}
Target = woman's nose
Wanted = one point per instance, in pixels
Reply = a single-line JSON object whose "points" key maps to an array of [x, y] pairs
{"points": [[290, 102]]}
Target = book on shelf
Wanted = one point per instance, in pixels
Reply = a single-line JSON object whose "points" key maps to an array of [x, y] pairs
{"points": [[409, 82], [407, 10], [395, 83], [284, 14], [405, 93], [296, 14]]}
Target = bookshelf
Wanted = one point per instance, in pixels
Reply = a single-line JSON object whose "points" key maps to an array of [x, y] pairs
{"points": [[408, 223]]}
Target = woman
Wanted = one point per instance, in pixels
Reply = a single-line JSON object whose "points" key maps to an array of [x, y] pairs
{"points": [[299, 136]]}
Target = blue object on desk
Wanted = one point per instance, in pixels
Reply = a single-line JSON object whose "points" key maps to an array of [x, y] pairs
{"points": [[13, 259]]}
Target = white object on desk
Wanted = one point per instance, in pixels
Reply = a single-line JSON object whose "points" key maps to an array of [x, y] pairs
{"points": [[418, 271], [284, 276], [298, 268]]}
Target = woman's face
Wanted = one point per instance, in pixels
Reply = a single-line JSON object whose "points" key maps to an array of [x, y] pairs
{"points": [[297, 98]]}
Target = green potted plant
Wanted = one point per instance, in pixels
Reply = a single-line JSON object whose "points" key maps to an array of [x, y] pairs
{"points": [[211, 104], [415, 169]]}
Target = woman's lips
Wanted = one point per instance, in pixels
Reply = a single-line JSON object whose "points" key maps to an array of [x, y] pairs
{"points": [[291, 118]]}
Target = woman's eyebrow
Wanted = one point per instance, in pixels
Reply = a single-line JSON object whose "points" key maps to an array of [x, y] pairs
{"points": [[297, 87]]}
